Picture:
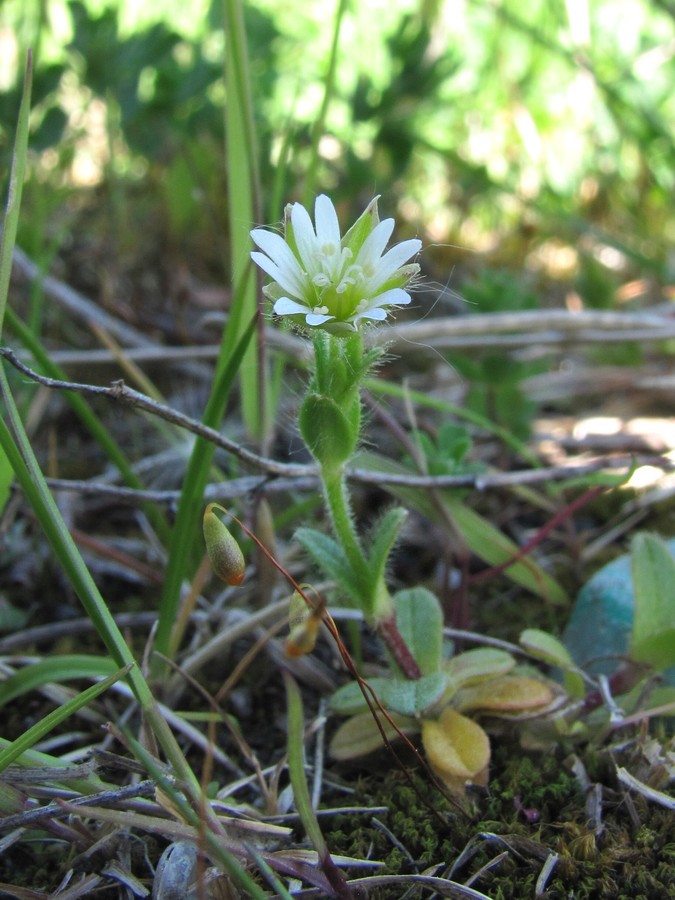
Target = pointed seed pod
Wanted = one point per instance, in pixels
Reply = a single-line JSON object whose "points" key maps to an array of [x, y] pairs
{"points": [[304, 623], [224, 552]]}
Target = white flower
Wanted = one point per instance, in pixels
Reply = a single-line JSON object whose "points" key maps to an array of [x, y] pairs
{"points": [[334, 281]]}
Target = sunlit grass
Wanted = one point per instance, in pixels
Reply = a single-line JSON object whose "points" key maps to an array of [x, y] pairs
{"points": [[480, 117]]}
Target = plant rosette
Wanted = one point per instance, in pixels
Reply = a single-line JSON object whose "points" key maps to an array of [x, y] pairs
{"points": [[444, 703]]}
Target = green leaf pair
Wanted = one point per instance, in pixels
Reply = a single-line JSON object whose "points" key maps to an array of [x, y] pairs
{"points": [[361, 586], [330, 414]]}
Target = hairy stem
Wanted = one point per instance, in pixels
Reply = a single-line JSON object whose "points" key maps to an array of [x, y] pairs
{"points": [[376, 602], [337, 500]]}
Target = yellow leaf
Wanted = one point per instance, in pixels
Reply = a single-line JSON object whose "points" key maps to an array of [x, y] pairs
{"points": [[477, 665], [360, 735], [457, 748], [506, 694]]}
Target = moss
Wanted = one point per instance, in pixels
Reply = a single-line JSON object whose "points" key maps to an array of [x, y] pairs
{"points": [[620, 862]]}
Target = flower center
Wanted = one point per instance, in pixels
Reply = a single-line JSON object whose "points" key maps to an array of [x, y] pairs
{"points": [[338, 283]]}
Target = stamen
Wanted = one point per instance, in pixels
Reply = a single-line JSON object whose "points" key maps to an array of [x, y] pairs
{"points": [[344, 285]]}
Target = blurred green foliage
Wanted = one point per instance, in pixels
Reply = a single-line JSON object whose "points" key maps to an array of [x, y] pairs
{"points": [[495, 378], [489, 127], [495, 390]]}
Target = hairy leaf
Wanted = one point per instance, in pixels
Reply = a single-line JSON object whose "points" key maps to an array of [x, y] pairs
{"points": [[383, 537], [420, 622], [412, 698], [329, 557], [474, 666]]}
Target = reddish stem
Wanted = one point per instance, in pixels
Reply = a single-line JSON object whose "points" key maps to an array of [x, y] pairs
{"points": [[543, 532], [621, 681], [398, 648]]}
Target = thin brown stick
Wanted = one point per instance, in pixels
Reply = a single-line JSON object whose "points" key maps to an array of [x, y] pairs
{"points": [[480, 481], [121, 392], [239, 487], [509, 329]]}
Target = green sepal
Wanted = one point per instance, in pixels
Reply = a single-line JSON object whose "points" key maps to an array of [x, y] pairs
{"points": [[401, 277], [330, 558], [289, 233], [330, 434], [420, 622], [359, 231]]}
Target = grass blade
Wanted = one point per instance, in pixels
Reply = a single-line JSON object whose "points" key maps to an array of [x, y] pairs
{"points": [[9, 230], [187, 528], [86, 415], [53, 719], [303, 801], [18, 452], [16, 179], [58, 668], [244, 210]]}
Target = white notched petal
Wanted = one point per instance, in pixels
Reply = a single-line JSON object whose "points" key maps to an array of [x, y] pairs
{"points": [[291, 277], [266, 264], [305, 239], [373, 246], [284, 306], [401, 253], [327, 225], [317, 318], [392, 297], [320, 267], [272, 243], [391, 261], [377, 313], [288, 280]]}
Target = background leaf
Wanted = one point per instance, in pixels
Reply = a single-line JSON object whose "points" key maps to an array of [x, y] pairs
{"points": [[654, 619]]}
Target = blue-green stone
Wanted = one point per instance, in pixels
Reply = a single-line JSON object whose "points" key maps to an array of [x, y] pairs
{"points": [[599, 630]]}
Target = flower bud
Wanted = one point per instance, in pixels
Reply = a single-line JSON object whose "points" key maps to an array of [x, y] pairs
{"points": [[224, 552]]}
